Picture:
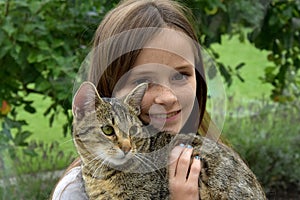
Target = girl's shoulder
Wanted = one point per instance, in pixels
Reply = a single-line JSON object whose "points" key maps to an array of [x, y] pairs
{"points": [[70, 186]]}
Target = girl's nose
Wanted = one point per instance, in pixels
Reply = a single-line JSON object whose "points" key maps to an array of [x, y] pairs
{"points": [[164, 96]]}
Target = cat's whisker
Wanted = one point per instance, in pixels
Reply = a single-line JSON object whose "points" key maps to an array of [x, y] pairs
{"points": [[98, 157], [98, 160], [102, 165], [151, 165], [66, 142], [99, 164]]}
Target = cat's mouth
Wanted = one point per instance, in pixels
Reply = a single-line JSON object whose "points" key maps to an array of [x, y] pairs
{"points": [[120, 161]]}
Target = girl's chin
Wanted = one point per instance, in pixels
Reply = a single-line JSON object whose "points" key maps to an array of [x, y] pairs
{"points": [[172, 129]]}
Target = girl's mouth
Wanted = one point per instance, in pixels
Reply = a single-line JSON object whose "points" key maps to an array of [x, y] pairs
{"points": [[167, 116]]}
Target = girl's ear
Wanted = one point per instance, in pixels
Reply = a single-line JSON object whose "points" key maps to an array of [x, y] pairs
{"points": [[135, 97], [85, 100]]}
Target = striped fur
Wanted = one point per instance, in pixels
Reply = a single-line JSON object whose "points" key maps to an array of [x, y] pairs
{"points": [[119, 166]]}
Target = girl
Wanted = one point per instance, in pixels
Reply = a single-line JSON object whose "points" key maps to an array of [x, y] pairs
{"points": [[151, 41]]}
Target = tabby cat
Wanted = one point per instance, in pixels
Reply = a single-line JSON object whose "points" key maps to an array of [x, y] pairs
{"points": [[122, 159]]}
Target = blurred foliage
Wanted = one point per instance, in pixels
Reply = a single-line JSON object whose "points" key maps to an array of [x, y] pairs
{"points": [[272, 25], [42, 46], [43, 43], [267, 137], [280, 34], [215, 18], [42, 170]]}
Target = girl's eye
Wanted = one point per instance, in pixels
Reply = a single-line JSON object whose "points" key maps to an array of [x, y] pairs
{"points": [[108, 130], [180, 76]]}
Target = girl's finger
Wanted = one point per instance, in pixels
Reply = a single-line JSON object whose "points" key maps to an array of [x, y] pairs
{"points": [[174, 155], [195, 171], [183, 165]]}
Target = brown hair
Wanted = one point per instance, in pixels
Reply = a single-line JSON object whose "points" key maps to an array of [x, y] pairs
{"points": [[134, 15]]}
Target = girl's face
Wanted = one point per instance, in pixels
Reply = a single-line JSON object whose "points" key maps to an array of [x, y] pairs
{"points": [[167, 64]]}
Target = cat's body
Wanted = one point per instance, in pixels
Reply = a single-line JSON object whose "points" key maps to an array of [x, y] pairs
{"points": [[121, 159]]}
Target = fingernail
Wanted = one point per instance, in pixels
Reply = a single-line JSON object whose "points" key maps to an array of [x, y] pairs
{"points": [[181, 145], [199, 158], [189, 147]]}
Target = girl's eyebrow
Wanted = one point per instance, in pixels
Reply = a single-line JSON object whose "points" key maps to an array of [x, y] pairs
{"points": [[142, 72], [184, 64], [148, 71], [185, 67]]}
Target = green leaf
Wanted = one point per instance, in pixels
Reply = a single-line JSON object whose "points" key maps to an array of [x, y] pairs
{"points": [[29, 28], [9, 28], [42, 85], [269, 70], [43, 45], [31, 57], [240, 78], [35, 6], [239, 66], [20, 138], [25, 38], [37, 57], [15, 53], [51, 119], [5, 49], [225, 73], [18, 48], [42, 57], [30, 152], [29, 109], [5, 133], [48, 110], [10, 123], [57, 43]]}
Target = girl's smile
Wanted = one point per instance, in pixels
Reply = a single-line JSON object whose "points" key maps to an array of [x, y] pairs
{"points": [[167, 116]]}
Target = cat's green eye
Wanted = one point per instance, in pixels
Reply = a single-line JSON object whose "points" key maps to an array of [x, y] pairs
{"points": [[133, 130], [108, 130]]}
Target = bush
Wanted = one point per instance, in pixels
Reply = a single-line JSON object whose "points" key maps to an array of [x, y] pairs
{"points": [[268, 139], [32, 177]]}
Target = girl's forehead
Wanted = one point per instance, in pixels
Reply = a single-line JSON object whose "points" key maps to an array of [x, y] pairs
{"points": [[174, 42], [156, 61]]}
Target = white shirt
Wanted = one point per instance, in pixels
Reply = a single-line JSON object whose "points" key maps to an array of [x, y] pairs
{"points": [[70, 187]]}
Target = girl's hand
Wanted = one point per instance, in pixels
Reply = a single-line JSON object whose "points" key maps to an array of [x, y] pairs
{"points": [[184, 174]]}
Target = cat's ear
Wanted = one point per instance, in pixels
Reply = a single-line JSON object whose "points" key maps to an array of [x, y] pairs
{"points": [[85, 100], [135, 97]]}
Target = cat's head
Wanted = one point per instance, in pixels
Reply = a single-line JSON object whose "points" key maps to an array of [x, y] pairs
{"points": [[103, 127]]}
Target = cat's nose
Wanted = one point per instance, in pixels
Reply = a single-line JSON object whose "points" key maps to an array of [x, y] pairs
{"points": [[126, 149], [125, 146]]}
